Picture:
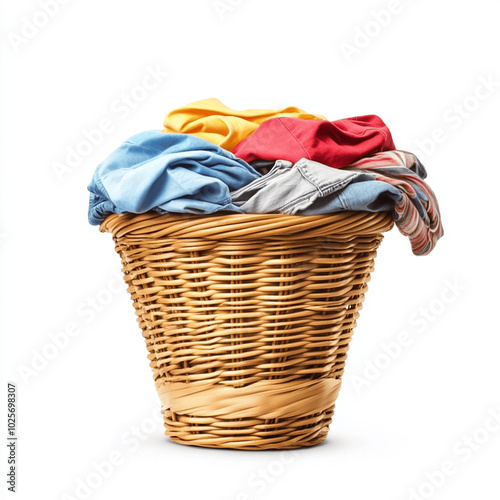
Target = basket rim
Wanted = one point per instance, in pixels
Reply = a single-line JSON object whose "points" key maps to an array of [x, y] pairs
{"points": [[346, 224]]}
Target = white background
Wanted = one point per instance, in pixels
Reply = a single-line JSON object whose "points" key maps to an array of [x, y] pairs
{"points": [[81, 407]]}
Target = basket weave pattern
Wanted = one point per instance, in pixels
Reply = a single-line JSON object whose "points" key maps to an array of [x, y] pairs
{"points": [[247, 318]]}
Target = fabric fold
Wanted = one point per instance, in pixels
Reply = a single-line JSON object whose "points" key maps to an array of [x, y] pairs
{"points": [[391, 181], [336, 144], [213, 121], [175, 173]]}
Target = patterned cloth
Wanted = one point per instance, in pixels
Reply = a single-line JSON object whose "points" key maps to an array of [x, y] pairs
{"points": [[391, 181], [417, 215]]}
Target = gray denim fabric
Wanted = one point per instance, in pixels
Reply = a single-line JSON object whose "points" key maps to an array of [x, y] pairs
{"points": [[390, 181], [313, 188]]}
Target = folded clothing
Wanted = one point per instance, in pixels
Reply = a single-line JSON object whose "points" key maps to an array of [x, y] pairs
{"points": [[213, 121], [336, 144], [384, 182], [166, 173]]}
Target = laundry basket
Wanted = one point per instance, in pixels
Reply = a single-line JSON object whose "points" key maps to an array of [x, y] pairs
{"points": [[247, 318]]}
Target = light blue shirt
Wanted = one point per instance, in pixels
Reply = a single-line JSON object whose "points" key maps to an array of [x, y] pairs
{"points": [[167, 172]]}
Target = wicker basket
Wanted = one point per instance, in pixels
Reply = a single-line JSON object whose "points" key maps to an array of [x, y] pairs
{"points": [[247, 318]]}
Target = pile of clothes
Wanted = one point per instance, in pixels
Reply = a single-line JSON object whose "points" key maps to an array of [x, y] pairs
{"points": [[210, 158]]}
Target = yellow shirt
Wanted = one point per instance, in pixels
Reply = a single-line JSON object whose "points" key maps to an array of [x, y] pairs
{"points": [[211, 120]]}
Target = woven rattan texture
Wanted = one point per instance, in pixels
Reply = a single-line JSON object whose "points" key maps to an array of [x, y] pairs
{"points": [[247, 318]]}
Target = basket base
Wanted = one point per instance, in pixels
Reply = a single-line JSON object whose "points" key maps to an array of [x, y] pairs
{"points": [[248, 434], [268, 414]]}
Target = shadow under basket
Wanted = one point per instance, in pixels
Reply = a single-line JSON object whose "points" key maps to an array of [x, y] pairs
{"points": [[247, 318]]}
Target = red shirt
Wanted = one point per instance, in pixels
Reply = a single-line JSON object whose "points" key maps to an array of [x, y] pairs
{"points": [[337, 144]]}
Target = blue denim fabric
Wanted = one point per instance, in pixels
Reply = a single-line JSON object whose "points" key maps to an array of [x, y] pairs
{"points": [[167, 172], [311, 188]]}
